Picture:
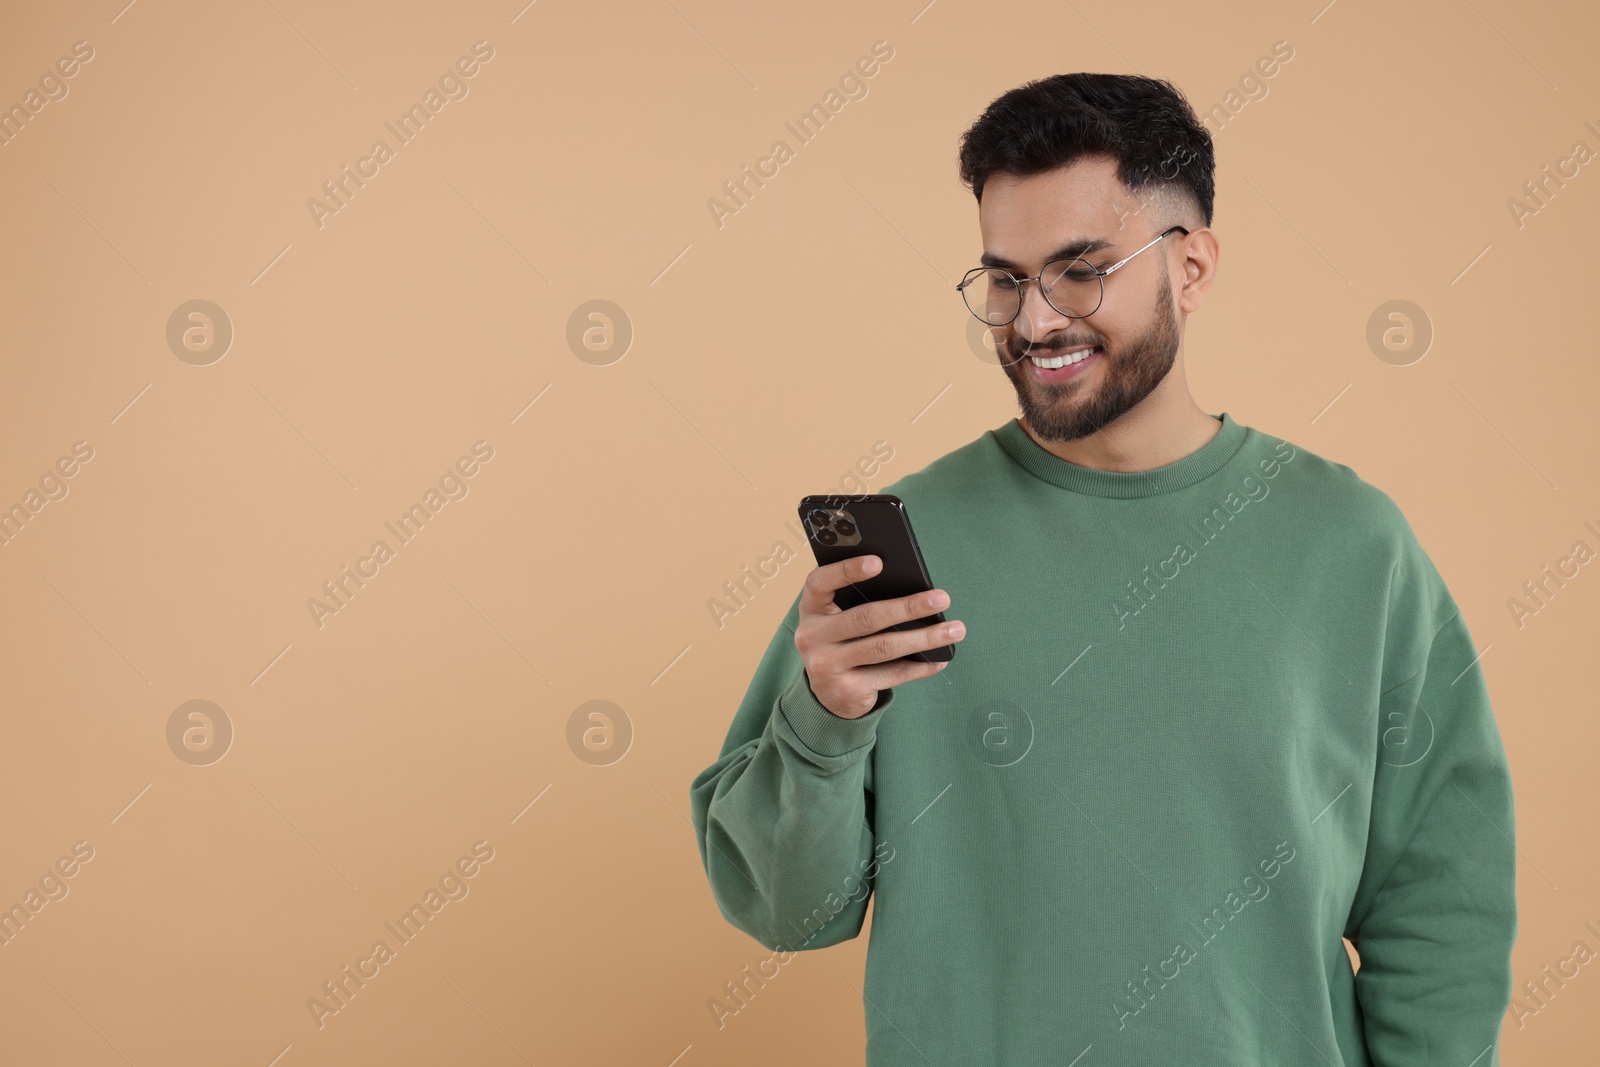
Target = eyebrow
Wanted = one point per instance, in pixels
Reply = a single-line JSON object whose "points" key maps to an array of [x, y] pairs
{"points": [[1080, 247]]}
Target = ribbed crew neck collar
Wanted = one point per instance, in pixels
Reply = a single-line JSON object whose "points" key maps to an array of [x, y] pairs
{"points": [[1066, 475]]}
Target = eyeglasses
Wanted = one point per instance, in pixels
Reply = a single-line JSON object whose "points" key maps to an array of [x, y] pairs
{"points": [[1074, 287]]}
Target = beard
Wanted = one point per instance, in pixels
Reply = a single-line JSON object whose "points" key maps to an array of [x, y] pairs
{"points": [[1068, 411]]}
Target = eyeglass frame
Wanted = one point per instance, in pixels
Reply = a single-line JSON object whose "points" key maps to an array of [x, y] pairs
{"points": [[967, 279]]}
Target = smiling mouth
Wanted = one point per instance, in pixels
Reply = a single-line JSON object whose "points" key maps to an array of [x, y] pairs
{"points": [[1065, 359]]}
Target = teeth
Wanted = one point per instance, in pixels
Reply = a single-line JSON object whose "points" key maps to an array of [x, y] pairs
{"points": [[1063, 361]]}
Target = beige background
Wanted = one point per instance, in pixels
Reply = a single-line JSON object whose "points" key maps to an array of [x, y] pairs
{"points": [[768, 356]]}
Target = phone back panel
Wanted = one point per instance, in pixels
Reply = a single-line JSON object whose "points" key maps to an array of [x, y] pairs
{"points": [[841, 526]]}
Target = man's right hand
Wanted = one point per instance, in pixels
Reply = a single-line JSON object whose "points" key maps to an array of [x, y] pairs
{"points": [[847, 661]]}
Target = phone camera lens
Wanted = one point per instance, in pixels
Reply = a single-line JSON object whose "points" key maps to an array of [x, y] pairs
{"points": [[826, 536], [845, 527], [819, 518]]}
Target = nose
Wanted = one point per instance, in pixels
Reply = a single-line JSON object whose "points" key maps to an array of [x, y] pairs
{"points": [[1039, 316]]}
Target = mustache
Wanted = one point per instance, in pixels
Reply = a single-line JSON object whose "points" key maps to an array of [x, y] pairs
{"points": [[1055, 343], [1022, 347]]}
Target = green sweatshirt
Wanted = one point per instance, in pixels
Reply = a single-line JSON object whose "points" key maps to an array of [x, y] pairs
{"points": [[1207, 719]]}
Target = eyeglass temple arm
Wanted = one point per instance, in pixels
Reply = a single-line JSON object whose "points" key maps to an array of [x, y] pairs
{"points": [[1135, 252], [965, 281]]}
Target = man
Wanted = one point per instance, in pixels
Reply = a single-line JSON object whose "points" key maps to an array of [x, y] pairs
{"points": [[1214, 709]]}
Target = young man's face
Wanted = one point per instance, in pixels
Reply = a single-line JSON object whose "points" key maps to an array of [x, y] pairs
{"points": [[1024, 221]]}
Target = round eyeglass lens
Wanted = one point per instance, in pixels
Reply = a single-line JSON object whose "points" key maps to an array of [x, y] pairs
{"points": [[1072, 287]]}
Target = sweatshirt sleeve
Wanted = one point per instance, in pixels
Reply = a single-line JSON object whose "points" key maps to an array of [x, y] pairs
{"points": [[1434, 914], [784, 816]]}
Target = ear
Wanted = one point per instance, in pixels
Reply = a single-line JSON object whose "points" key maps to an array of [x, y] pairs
{"points": [[1201, 255]]}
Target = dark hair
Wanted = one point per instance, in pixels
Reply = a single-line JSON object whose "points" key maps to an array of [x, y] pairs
{"points": [[1144, 123]]}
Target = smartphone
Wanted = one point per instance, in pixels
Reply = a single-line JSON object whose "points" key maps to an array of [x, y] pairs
{"points": [[841, 526]]}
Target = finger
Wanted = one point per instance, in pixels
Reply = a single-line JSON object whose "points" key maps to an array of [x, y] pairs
{"points": [[890, 645], [893, 674], [876, 615], [816, 597]]}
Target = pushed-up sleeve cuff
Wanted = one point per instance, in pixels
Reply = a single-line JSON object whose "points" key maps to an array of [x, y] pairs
{"points": [[821, 730]]}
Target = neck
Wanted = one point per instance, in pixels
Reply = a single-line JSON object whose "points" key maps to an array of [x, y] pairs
{"points": [[1139, 440]]}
